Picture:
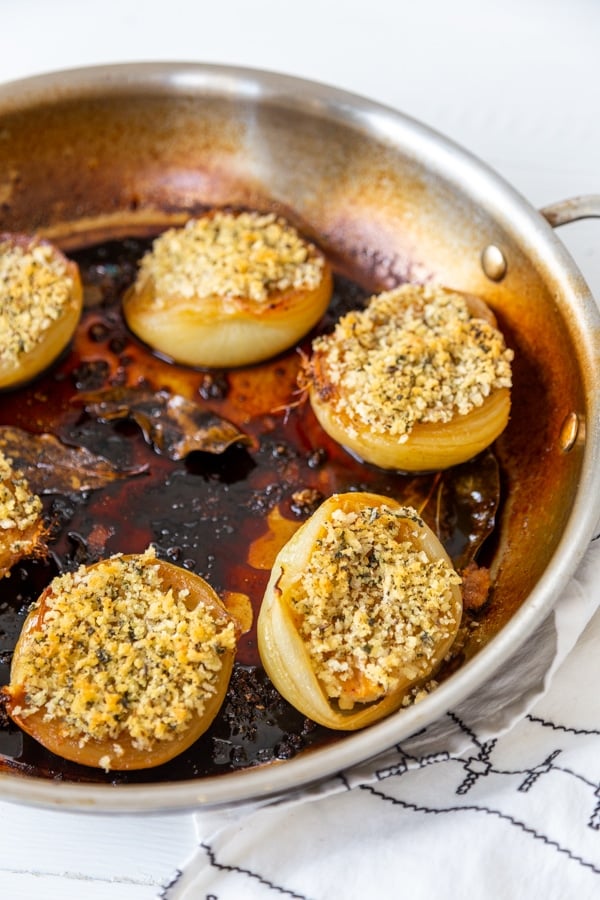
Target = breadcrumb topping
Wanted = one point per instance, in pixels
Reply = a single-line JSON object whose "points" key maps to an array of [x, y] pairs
{"points": [[371, 606], [415, 354], [35, 290], [246, 255], [117, 653], [19, 508]]}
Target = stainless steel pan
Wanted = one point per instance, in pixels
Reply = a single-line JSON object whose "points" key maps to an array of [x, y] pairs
{"points": [[113, 150]]}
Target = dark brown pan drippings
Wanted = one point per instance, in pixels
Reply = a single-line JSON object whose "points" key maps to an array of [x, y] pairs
{"points": [[217, 514]]}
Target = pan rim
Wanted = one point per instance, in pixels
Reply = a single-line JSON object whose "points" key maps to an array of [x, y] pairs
{"points": [[275, 780]]}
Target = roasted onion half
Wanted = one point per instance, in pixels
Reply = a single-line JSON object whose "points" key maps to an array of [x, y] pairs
{"points": [[419, 380], [123, 664], [22, 530], [228, 289], [361, 608], [41, 298]]}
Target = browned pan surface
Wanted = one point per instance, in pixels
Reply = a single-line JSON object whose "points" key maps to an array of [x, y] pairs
{"points": [[118, 153]]}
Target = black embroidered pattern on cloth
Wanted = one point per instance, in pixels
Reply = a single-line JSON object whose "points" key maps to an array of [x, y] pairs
{"points": [[476, 783], [163, 895], [480, 765], [246, 872], [518, 811]]}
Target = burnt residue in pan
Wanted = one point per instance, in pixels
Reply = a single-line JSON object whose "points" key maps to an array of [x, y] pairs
{"points": [[218, 514]]}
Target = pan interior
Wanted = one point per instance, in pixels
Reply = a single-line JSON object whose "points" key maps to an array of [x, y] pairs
{"points": [[124, 151]]}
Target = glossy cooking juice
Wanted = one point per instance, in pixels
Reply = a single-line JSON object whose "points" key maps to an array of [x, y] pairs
{"points": [[222, 509]]}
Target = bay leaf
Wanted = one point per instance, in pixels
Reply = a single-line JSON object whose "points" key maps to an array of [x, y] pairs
{"points": [[52, 467], [467, 502], [173, 425]]}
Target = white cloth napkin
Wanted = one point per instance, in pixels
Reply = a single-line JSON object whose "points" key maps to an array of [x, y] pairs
{"points": [[499, 799]]}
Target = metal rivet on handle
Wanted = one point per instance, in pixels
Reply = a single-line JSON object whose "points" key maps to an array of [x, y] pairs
{"points": [[493, 262], [569, 431]]}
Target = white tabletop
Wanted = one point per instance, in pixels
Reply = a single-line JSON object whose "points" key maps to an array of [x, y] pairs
{"points": [[516, 82]]}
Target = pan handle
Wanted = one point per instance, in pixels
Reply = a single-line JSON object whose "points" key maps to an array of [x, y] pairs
{"points": [[565, 211]]}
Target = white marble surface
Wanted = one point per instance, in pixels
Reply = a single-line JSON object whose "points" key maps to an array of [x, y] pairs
{"points": [[516, 82]]}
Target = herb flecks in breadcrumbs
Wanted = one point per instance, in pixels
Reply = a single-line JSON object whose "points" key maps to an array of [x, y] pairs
{"points": [[35, 290], [19, 507], [117, 653], [246, 255], [371, 602], [414, 355]]}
